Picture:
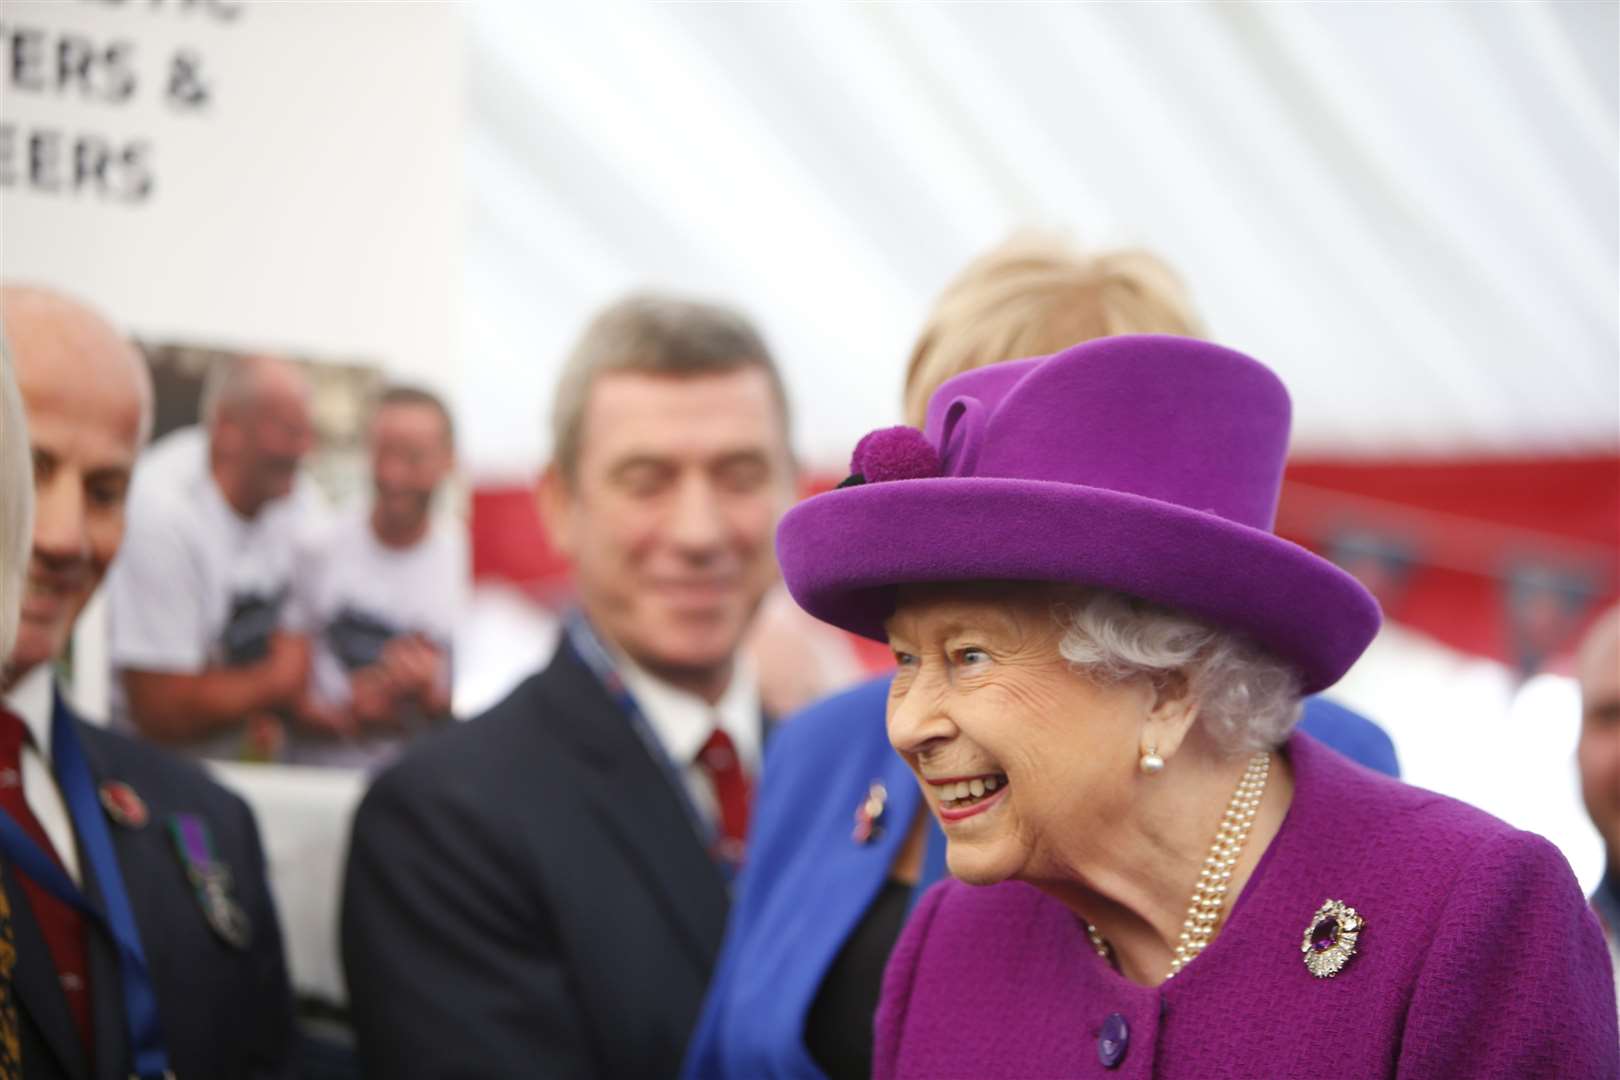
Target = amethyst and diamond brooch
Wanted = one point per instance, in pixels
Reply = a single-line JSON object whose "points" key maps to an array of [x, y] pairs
{"points": [[1330, 940]]}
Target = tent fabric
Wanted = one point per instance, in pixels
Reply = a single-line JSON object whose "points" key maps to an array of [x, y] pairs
{"points": [[1503, 558], [1408, 210]]}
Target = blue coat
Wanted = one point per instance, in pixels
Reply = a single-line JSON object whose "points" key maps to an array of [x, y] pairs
{"points": [[808, 882]]}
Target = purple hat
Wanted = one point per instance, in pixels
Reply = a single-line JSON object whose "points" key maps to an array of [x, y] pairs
{"points": [[1145, 464]]}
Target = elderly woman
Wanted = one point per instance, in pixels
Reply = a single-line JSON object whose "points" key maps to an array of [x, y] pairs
{"points": [[1102, 648], [842, 845]]}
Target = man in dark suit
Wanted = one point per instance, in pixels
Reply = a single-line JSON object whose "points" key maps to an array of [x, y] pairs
{"points": [[542, 891], [145, 934]]}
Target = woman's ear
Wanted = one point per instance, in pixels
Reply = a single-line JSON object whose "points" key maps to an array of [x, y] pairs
{"points": [[1172, 711]]}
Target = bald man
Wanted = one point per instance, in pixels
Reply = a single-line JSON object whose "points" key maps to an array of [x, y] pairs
{"points": [[203, 656], [146, 938]]}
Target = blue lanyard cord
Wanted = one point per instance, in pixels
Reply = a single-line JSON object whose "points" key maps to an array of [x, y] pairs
{"points": [[589, 648], [79, 791]]}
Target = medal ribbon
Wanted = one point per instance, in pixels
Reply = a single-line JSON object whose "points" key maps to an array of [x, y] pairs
{"points": [[73, 776], [210, 877]]}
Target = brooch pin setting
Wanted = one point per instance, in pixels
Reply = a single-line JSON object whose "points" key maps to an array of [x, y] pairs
{"points": [[869, 815], [1330, 939]]}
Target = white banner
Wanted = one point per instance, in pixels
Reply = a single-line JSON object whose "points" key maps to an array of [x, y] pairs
{"points": [[272, 176]]}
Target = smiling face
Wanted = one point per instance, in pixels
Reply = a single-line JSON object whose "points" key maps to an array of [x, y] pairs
{"points": [[260, 439], [86, 395], [669, 516], [411, 456], [983, 701]]}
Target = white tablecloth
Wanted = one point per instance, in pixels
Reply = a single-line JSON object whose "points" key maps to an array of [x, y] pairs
{"points": [[304, 817]]}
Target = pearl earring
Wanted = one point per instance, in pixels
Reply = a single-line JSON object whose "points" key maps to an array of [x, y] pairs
{"points": [[1150, 761]]}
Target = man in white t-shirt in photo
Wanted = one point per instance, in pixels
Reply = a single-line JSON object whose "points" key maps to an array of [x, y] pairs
{"points": [[381, 595], [203, 657]]}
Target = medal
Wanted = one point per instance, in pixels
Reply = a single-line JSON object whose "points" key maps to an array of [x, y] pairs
{"points": [[869, 815], [210, 880]]}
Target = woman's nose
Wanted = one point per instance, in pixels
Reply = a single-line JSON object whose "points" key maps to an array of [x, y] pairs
{"points": [[919, 718]]}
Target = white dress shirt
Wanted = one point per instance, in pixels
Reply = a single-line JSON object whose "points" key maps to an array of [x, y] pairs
{"points": [[31, 700], [682, 722]]}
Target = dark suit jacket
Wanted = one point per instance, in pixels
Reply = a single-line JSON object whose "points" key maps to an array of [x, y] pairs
{"points": [[224, 1012], [527, 898]]}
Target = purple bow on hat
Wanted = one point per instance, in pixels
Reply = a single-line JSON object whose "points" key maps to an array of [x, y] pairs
{"points": [[1146, 464]]}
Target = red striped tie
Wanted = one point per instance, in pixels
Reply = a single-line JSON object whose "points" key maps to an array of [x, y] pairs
{"points": [[62, 925], [719, 759]]}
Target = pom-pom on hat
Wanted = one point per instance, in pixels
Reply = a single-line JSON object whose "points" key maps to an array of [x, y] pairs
{"points": [[1145, 464]]}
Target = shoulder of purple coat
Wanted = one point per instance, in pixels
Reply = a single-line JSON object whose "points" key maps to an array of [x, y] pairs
{"points": [[1416, 827], [1517, 979]]}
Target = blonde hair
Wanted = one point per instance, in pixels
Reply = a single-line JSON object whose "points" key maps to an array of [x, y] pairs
{"points": [[1033, 295], [16, 503]]}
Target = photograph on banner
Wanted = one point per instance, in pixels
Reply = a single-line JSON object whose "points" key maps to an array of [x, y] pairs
{"points": [[316, 517], [341, 391], [255, 510]]}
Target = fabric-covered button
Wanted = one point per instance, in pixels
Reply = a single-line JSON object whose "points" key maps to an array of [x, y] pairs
{"points": [[1111, 1043]]}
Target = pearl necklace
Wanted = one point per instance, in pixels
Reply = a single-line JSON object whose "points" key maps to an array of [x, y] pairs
{"points": [[1209, 895]]}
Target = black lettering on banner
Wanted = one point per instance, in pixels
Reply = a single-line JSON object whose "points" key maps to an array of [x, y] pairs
{"points": [[68, 65], [138, 181], [51, 162], [78, 67], [186, 86], [44, 160], [25, 60], [222, 10]]}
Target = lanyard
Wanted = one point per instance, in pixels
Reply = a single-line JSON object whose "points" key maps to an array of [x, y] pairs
{"points": [[118, 920], [589, 648]]}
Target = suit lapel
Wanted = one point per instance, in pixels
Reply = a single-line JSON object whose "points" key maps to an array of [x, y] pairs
{"points": [[40, 1001], [633, 796]]}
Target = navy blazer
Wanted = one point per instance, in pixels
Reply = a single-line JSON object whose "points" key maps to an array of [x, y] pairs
{"points": [[224, 1011], [808, 883], [526, 897]]}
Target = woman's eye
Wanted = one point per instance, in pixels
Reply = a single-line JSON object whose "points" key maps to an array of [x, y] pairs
{"points": [[904, 659], [971, 655]]}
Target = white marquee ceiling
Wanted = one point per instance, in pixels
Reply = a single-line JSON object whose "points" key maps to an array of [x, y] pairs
{"points": [[1410, 211]]}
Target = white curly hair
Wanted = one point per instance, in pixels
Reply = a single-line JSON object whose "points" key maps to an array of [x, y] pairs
{"points": [[1247, 698]]}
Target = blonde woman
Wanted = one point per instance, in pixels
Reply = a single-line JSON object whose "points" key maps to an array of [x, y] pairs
{"points": [[1101, 651]]}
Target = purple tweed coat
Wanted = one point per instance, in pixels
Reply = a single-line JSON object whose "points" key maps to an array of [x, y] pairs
{"points": [[1479, 958]]}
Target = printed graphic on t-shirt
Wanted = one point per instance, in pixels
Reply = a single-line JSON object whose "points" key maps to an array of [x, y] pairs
{"points": [[254, 617], [357, 638]]}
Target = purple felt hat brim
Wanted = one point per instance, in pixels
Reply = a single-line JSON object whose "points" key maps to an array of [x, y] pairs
{"points": [[844, 553]]}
